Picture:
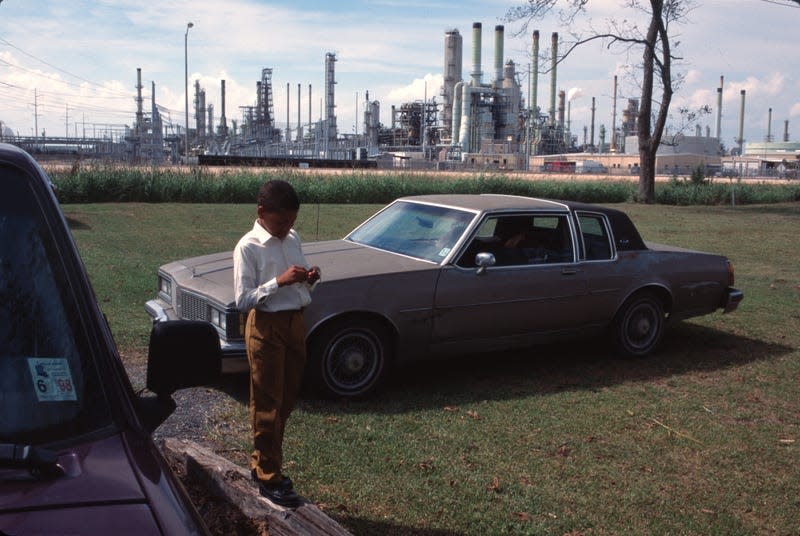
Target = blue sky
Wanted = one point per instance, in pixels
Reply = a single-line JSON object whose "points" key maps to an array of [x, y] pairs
{"points": [[77, 59]]}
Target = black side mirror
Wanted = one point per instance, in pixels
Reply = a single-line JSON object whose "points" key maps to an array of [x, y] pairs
{"points": [[183, 353]]}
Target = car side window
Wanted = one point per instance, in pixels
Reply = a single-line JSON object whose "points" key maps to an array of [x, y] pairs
{"points": [[518, 240], [595, 236], [48, 387]]}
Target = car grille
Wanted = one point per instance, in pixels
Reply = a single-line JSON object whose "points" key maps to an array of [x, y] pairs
{"points": [[193, 307]]}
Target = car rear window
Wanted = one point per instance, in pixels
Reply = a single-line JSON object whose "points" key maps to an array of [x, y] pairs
{"points": [[49, 387]]}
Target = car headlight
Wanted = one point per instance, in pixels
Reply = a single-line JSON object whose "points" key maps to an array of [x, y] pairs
{"points": [[165, 286], [219, 319]]}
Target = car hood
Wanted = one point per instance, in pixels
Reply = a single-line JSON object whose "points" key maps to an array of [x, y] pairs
{"points": [[212, 275], [98, 486]]}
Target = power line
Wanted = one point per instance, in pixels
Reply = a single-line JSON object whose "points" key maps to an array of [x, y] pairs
{"points": [[51, 66], [784, 3]]}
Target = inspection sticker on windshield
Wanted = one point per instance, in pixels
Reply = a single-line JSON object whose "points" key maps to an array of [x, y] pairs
{"points": [[52, 379]]}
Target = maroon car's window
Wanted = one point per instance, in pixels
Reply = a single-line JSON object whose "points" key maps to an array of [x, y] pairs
{"points": [[49, 389]]}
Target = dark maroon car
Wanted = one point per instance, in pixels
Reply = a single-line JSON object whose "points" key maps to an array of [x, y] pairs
{"points": [[76, 453]]}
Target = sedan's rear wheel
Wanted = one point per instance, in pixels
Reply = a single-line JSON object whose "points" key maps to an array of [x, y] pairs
{"points": [[349, 357], [639, 325]]}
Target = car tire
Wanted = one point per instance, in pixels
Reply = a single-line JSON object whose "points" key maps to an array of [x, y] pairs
{"points": [[349, 357], [639, 325]]}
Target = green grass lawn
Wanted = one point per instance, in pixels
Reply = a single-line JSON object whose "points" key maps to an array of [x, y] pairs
{"points": [[701, 438]]}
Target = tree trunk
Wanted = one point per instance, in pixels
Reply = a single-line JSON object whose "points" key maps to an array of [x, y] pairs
{"points": [[647, 176], [649, 139]]}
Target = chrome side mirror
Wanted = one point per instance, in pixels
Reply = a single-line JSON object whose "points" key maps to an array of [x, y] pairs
{"points": [[483, 261]]}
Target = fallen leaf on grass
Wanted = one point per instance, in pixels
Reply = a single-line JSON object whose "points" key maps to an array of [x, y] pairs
{"points": [[427, 465], [494, 485], [707, 511], [451, 409], [474, 415], [522, 516], [786, 441]]}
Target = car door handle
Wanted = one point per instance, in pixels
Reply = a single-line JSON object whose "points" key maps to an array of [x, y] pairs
{"points": [[569, 271]]}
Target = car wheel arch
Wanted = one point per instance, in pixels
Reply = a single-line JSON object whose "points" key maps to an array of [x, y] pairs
{"points": [[362, 327], [660, 291]]}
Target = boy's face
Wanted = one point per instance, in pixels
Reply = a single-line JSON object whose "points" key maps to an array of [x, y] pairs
{"points": [[277, 223]]}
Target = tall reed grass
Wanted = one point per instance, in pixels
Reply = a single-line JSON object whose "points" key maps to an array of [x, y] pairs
{"points": [[105, 183]]}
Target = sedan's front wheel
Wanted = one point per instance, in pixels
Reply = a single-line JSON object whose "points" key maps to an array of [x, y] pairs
{"points": [[639, 325], [349, 357]]}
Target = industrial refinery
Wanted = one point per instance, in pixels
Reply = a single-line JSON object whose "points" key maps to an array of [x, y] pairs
{"points": [[477, 121]]}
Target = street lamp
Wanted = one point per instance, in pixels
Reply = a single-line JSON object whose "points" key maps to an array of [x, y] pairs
{"points": [[186, 72]]}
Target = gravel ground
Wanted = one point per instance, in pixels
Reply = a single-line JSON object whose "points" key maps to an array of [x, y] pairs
{"points": [[202, 413]]}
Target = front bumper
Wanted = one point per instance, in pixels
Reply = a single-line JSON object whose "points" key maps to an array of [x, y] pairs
{"points": [[233, 354], [732, 298]]}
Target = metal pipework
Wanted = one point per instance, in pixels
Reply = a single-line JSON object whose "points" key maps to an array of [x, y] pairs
{"points": [[456, 113]]}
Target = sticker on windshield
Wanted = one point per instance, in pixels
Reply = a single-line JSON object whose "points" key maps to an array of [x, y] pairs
{"points": [[443, 252], [52, 379]]}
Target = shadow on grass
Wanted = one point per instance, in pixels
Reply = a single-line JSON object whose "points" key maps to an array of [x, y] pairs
{"points": [[369, 526], [77, 224], [575, 365]]}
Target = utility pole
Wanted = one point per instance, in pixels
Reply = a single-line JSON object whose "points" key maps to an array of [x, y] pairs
{"points": [[36, 117]]}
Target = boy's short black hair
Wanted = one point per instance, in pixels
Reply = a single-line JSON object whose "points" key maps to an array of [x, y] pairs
{"points": [[277, 195]]}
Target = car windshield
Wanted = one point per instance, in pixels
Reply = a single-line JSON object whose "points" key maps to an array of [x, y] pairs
{"points": [[49, 387], [423, 231]]}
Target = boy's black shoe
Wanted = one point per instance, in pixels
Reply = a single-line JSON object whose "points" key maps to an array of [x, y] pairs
{"points": [[280, 494], [286, 482]]}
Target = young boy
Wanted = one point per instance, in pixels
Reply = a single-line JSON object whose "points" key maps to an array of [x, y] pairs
{"points": [[272, 283]]}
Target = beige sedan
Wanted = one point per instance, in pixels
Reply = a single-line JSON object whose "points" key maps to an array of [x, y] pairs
{"points": [[449, 274]]}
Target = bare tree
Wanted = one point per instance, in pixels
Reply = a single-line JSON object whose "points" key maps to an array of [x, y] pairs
{"points": [[657, 59]]}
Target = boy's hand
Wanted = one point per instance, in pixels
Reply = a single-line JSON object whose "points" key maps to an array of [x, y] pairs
{"points": [[313, 275], [295, 274]]}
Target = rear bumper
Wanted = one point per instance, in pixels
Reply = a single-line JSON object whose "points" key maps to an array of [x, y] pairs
{"points": [[233, 353], [732, 298]]}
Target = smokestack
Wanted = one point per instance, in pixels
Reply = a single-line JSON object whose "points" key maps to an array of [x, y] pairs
{"points": [[498, 54], [561, 98], [223, 120], [534, 72], [553, 63], [476, 54], [139, 104], [741, 124], [309, 106], [614, 119], [453, 56], [591, 136], [298, 112], [769, 126], [288, 125], [718, 129], [786, 130]]}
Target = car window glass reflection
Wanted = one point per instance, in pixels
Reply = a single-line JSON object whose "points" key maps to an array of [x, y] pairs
{"points": [[426, 232]]}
